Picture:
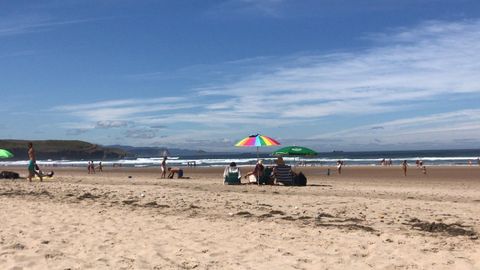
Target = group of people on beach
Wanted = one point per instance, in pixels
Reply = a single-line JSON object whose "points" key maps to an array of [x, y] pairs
{"points": [[260, 174], [386, 162], [253, 176], [171, 171], [419, 164], [91, 167]]}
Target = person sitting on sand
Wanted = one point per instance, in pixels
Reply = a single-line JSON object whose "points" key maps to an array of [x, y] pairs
{"points": [[42, 174], [232, 171], [178, 171], [281, 170], [257, 171]]}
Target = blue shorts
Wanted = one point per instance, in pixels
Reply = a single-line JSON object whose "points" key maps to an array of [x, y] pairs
{"points": [[31, 166]]}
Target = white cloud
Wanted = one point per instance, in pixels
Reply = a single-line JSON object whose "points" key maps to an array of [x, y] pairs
{"points": [[111, 124], [441, 128], [31, 23], [401, 71], [432, 60], [269, 8], [124, 110]]}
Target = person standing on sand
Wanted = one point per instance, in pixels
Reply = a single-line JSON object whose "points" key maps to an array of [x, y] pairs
{"points": [[163, 166], [404, 167], [32, 164], [339, 166]]}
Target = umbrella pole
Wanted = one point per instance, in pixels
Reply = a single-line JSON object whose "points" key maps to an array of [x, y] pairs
{"points": [[257, 153]]}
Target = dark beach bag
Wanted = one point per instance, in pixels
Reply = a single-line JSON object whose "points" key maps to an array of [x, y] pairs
{"points": [[300, 179], [9, 175]]}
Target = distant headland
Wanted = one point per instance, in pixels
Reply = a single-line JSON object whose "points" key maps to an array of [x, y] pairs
{"points": [[62, 149]]}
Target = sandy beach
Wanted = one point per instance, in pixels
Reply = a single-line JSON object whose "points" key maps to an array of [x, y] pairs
{"points": [[130, 218]]}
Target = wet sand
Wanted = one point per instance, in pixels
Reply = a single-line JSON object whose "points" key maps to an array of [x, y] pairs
{"points": [[130, 218]]}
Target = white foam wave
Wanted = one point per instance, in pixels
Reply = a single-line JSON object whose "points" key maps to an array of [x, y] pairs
{"points": [[177, 161]]}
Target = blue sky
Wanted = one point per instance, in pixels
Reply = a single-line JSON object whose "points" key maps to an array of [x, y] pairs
{"points": [[329, 74]]}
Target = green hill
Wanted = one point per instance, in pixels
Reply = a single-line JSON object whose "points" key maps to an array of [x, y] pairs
{"points": [[62, 149]]}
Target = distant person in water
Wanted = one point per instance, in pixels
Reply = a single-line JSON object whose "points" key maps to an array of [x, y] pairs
{"points": [[404, 167], [32, 164], [163, 166]]}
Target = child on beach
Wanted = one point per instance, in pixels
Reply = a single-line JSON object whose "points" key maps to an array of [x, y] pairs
{"points": [[424, 169], [163, 166], [404, 167], [339, 166]]}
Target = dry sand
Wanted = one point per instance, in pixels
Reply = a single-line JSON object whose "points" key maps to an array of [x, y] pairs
{"points": [[366, 218]]}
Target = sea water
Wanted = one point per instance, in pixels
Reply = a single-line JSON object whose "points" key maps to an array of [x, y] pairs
{"points": [[428, 157]]}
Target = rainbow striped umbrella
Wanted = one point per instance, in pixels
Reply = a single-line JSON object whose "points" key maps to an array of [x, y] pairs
{"points": [[257, 140]]}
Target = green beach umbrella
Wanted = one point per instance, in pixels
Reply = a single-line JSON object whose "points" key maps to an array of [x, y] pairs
{"points": [[5, 154], [294, 151]]}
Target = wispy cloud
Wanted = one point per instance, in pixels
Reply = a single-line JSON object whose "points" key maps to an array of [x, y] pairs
{"points": [[76, 131], [17, 54], [140, 134], [16, 25], [270, 8], [451, 128], [424, 63], [119, 111], [111, 124], [400, 72]]}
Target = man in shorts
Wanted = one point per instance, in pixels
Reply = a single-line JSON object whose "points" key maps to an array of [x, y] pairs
{"points": [[32, 164]]}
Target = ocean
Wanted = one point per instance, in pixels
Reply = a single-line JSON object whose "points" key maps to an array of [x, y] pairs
{"points": [[428, 157]]}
